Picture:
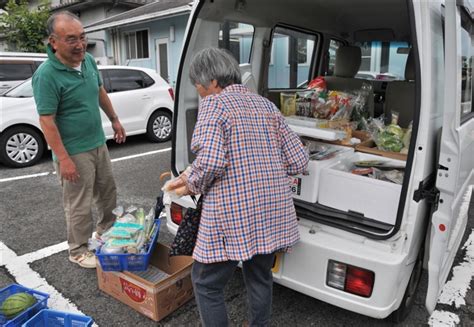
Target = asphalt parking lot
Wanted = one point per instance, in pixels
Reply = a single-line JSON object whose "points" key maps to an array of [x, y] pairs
{"points": [[32, 219]]}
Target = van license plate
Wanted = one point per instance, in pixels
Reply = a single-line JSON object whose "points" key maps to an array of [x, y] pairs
{"points": [[296, 186]]}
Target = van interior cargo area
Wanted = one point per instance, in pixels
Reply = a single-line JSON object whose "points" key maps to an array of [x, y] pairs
{"points": [[343, 75]]}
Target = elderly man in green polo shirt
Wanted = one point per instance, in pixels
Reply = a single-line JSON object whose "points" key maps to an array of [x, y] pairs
{"points": [[68, 91]]}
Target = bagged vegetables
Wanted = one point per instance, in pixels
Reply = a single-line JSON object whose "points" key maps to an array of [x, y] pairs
{"points": [[387, 138], [288, 103], [131, 232]]}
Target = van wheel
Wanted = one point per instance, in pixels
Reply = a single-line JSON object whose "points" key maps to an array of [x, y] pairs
{"points": [[159, 127], [21, 147], [403, 311]]}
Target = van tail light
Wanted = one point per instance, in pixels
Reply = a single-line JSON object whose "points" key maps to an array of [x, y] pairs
{"points": [[176, 213], [336, 275], [350, 279], [359, 281], [171, 92]]}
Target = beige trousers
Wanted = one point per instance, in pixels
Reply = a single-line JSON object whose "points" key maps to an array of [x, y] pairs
{"points": [[96, 185]]}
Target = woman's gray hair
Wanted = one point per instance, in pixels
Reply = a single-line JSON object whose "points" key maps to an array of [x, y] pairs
{"points": [[52, 20], [213, 63]]}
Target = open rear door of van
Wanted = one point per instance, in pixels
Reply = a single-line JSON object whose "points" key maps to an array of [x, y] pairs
{"points": [[455, 172]]}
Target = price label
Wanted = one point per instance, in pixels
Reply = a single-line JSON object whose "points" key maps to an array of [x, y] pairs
{"points": [[296, 186]]}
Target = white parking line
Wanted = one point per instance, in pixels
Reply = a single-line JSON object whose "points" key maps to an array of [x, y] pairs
{"points": [[141, 155], [23, 177], [455, 290], [443, 319], [24, 275], [45, 252], [3, 180]]}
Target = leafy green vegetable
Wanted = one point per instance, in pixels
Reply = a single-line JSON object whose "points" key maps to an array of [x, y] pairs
{"points": [[395, 130], [390, 139]]}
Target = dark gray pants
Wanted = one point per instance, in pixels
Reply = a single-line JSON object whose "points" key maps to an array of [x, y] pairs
{"points": [[209, 281]]}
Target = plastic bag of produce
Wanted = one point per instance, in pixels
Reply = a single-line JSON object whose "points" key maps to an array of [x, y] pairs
{"points": [[287, 104], [388, 141], [344, 105], [319, 84], [360, 113], [303, 103], [320, 107], [395, 130], [406, 139], [387, 138]]}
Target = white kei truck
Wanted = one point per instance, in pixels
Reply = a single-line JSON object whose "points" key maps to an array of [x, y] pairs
{"points": [[364, 241]]}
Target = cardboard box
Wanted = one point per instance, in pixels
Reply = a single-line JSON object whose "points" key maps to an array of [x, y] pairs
{"points": [[157, 299], [369, 146]]}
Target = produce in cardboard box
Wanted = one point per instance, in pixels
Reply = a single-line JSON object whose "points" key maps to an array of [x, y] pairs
{"points": [[388, 141], [387, 138]]}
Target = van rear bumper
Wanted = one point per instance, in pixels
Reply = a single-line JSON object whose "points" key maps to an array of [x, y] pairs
{"points": [[304, 269]]}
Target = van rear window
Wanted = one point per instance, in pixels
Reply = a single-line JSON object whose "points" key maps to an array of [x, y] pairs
{"points": [[384, 61]]}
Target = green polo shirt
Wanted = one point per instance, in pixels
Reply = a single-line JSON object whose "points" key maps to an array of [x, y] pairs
{"points": [[73, 96]]}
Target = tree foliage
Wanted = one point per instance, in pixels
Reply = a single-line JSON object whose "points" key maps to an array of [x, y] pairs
{"points": [[23, 28]]}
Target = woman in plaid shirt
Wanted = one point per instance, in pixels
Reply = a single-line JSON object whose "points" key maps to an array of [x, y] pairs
{"points": [[244, 154]]}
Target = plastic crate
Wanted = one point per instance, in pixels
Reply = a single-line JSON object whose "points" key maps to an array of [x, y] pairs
{"points": [[52, 318], [127, 261], [41, 303]]}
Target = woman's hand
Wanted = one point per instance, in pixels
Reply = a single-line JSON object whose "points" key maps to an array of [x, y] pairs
{"points": [[178, 185]]}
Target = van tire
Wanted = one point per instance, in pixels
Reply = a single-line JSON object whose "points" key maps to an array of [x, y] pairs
{"points": [[159, 126], [408, 300], [14, 140]]}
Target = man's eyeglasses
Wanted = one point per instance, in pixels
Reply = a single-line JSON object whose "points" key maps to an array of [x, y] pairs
{"points": [[73, 40]]}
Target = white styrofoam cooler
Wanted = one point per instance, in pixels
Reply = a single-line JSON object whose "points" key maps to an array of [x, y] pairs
{"points": [[305, 186], [375, 199]]}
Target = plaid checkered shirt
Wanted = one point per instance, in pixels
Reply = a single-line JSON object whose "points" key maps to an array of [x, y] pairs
{"points": [[245, 152]]}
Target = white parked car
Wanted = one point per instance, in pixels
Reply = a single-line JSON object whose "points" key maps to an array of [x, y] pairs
{"points": [[141, 98]]}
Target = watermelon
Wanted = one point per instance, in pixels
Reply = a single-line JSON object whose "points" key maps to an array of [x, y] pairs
{"points": [[16, 304]]}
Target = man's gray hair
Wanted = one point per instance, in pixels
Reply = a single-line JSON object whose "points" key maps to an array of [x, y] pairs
{"points": [[52, 20], [213, 63]]}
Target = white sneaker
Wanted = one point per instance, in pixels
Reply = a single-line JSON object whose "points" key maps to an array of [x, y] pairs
{"points": [[85, 260]]}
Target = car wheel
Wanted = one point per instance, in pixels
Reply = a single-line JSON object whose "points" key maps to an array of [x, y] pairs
{"points": [[403, 311], [21, 147], [159, 127]]}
